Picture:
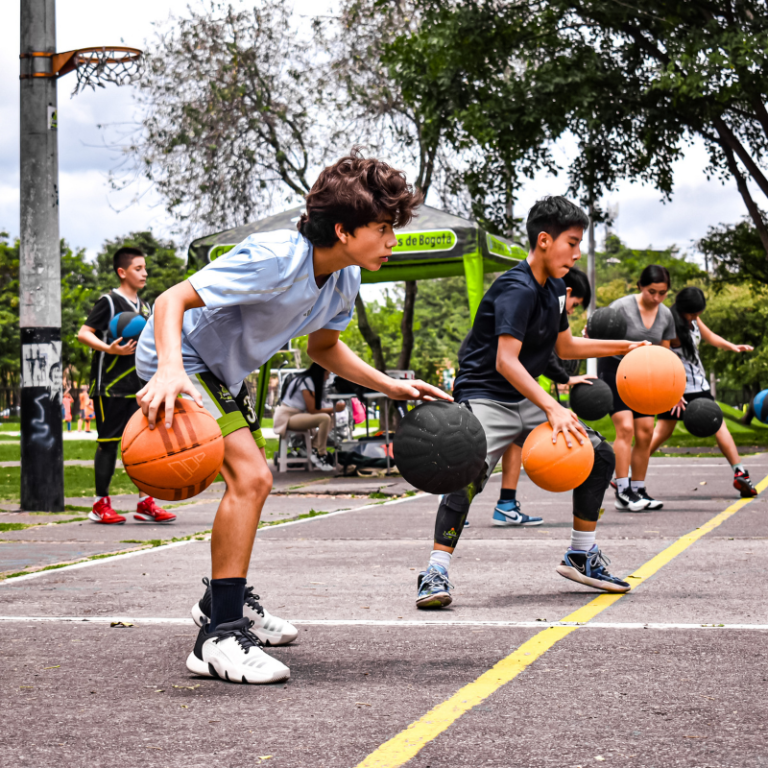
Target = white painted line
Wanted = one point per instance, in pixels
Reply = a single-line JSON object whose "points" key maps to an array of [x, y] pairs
{"points": [[262, 531], [385, 623]]}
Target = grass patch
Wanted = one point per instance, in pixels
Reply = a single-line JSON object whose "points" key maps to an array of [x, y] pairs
{"points": [[14, 526], [311, 513], [378, 495], [78, 481]]}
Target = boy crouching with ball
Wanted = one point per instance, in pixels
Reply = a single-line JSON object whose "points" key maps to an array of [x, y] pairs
{"points": [[209, 332], [521, 320]]}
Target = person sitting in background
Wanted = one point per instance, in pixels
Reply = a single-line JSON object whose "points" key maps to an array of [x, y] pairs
{"points": [[302, 408]]}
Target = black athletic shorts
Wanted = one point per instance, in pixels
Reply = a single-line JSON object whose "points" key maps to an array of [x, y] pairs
{"points": [[112, 414], [606, 370], [689, 398]]}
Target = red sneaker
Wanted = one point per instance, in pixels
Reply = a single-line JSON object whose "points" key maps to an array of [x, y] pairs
{"points": [[743, 484], [102, 512], [148, 512]]}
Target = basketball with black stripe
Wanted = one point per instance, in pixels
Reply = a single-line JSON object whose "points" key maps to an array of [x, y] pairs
{"points": [[176, 463]]}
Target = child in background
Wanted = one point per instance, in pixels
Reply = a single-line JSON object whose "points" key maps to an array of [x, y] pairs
{"points": [[66, 404], [84, 398]]}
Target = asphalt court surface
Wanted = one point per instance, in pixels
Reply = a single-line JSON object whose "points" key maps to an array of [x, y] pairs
{"points": [[367, 665]]}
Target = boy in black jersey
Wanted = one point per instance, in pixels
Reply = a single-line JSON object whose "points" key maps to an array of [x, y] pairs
{"points": [[114, 383], [521, 320]]}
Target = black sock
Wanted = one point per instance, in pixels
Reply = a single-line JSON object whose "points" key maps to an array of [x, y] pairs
{"points": [[104, 466], [508, 494], [227, 598]]}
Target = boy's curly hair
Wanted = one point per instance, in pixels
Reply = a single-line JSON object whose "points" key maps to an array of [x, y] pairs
{"points": [[354, 192]]}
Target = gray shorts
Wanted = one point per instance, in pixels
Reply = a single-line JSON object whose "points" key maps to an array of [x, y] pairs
{"points": [[507, 423]]}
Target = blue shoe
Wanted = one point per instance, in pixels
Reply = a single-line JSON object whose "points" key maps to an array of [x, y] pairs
{"points": [[434, 588], [508, 515], [591, 568]]}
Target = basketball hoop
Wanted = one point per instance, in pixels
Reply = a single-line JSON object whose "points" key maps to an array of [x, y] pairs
{"points": [[94, 67]]}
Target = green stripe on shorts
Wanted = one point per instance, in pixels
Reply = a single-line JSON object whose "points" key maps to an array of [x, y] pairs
{"points": [[259, 438]]}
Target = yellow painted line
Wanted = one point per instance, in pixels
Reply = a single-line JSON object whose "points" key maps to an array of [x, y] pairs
{"points": [[408, 743]]}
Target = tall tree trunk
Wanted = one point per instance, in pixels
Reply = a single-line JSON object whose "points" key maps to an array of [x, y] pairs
{"points": [[406, 325], [372, 339]]}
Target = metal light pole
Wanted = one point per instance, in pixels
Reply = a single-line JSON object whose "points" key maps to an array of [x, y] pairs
{"points": [[42, 460]]}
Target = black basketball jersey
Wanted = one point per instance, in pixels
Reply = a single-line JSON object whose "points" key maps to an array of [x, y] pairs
{"points": [[113, 375]]}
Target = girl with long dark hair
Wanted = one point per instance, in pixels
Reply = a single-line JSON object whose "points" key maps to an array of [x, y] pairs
{"points": [[302, 408], [691, 330], [647, 320]]}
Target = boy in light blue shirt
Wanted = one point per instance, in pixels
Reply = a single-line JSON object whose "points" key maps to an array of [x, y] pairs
{"points": [[209, 332]]}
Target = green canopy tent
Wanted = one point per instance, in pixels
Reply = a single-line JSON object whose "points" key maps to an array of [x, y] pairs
{"points": [[435, 244]]}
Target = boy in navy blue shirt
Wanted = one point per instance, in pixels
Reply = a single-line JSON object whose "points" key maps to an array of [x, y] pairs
{"points": [[521, 320]]}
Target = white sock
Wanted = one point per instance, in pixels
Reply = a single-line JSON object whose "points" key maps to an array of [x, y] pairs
{"points": [[97, 499], [622, 483], [439, 557], [582, 540], [636, 485], [737, 467]]}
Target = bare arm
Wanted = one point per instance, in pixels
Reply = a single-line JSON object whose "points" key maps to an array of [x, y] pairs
{"points": [[309, 402], [718, 341], [170, 380], [509, 366], [570, 347], [324, 347], [87, 335]]}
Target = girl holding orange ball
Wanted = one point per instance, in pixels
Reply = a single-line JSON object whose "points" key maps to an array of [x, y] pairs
{"points": [[647, 320]]}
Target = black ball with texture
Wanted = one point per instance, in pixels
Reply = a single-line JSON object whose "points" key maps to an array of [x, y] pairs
{"points": [[607, 323], [440, 447], [702, 417], [591, 402], [126, 325]]}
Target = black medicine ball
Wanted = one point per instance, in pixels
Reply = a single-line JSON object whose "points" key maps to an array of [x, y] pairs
{"points": [[591, 402], [702, 417], [607, 323], [126, 325], [440, 447]]}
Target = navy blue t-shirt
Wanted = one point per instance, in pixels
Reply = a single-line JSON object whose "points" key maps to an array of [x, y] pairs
{"points": [[516, 305]]}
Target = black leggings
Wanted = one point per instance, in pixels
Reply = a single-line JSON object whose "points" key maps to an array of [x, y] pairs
{"points": [[104, 465], [587, 498]]}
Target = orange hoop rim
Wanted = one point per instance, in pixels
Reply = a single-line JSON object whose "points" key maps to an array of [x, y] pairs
{"points": [[69, 61]]}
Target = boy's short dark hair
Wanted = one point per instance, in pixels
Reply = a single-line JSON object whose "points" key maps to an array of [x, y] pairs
{"points": [[553, 215], [354, 192], [578, 282], [125, 255]]}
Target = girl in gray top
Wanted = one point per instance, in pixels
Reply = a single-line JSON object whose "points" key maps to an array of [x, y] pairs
{"points": [[647, 320], [689, 304]]}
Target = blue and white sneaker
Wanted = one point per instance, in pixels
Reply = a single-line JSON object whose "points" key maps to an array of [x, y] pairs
{"points": [[508, 515], [434, 588], [591, 568]]}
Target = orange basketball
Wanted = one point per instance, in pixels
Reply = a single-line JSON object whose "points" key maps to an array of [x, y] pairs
{"points": [[651, 379], [554, 466], [176, 463]]}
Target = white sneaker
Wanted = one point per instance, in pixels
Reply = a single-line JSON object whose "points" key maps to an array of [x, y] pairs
{"points": [[323, 463], [270, 629], [232, 652]]}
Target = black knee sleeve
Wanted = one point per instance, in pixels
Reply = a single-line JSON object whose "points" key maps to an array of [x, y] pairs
{"points": [[588, 497], [104, 466], [451, 515]]}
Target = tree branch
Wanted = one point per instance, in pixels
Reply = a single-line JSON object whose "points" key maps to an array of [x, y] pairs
{"points": [[406, 325], [369, 334]]}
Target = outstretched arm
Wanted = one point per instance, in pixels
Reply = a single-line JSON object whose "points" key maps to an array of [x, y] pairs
{"points": [[569, 347], [325, 348], [718, 341], [170, 380]]}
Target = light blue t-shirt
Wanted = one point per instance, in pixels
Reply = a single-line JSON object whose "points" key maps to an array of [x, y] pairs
{"points": [[257, 298]]}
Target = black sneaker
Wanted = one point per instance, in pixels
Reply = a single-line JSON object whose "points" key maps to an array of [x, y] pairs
{"points": [[743, 484], [652, 503], [628, 501], [591, 568]]}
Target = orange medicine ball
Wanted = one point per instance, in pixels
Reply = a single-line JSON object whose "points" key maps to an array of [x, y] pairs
{"points": [[176, 463], [651, 379], [554, 466]]}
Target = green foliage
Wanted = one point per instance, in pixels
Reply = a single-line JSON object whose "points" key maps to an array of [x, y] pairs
{"points": [[79, 291], [9, 312], [736, 253]]}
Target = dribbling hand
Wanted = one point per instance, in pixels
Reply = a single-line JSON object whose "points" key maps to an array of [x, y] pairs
{"points": [[402, 389], [565, 421], [161, 391], [677, 411]]}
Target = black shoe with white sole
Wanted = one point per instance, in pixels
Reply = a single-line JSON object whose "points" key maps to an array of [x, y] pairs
{"points": [[628, 501], [652, 503], [270, 629], [232, 652]]}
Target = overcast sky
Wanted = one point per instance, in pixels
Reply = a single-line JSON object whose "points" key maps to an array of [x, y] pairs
{"points": [[90, 213]]}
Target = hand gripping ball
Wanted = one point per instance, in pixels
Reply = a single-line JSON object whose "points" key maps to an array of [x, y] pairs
{"points": [[702, 417], [651, 379], [607, 323], [554, 466], [440, 447], [176, 463], [127, 325], [591, 402]]}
